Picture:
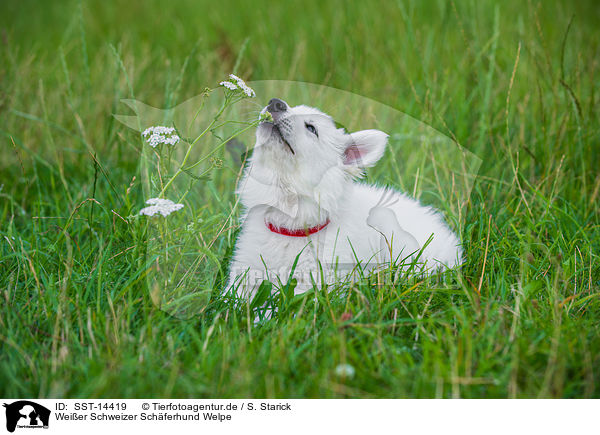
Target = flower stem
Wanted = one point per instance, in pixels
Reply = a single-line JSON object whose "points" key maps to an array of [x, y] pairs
{"points": [[187, 154]]}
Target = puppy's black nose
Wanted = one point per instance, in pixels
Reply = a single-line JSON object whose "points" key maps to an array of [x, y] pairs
{"points": [[276, 105]]}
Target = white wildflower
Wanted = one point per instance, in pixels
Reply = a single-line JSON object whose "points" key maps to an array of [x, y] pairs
{"points": [[345, 371], [160, 206], [239, 84], [236, 78], [161, 135], [248, 91], [229, 85]]}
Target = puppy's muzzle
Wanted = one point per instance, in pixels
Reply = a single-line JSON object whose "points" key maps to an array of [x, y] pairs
{"points": [[277, 108]]}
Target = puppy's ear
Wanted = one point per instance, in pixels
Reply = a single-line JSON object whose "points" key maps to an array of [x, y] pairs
{"points": [[364, 148]]}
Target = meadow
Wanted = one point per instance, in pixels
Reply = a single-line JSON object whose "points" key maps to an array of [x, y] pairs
{"points": [[513, 83]]}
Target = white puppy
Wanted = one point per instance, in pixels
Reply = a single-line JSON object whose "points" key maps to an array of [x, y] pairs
{"points": [[303, 207]]}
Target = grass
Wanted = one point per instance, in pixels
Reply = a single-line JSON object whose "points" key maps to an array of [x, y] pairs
{"points": [[514, 83]]}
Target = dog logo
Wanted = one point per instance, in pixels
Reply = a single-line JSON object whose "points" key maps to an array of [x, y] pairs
{"points": [[26, 414]]}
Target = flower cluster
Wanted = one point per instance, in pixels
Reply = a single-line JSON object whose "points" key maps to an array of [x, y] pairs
{"points": [[265, 116], [160, 206], [160, 135], [229, 85], [237, 83]]}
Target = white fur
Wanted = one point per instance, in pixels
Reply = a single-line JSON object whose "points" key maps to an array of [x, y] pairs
{"points": [[369, 225]]}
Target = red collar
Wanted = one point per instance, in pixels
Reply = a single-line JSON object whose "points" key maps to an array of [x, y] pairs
{"points": [[296, 233]]}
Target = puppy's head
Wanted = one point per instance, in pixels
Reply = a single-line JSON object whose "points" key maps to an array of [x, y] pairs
{"points": [[302, 148]]}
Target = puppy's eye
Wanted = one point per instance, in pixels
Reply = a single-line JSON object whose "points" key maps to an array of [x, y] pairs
{"points": [[311, 128]]}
